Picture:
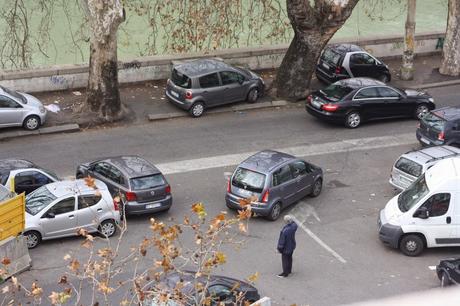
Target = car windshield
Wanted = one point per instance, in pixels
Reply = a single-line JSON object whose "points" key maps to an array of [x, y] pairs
{"points": [[38, 200], [331, 56], [180, 79], [336, 91], [434, 122], [243, 71], [15, 94], [412, 195], [408, 166], [249, 180], [147, 182]]}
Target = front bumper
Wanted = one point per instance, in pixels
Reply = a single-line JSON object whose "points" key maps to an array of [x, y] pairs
{"points": [[135, 208], [233, 202], [389, 234]]}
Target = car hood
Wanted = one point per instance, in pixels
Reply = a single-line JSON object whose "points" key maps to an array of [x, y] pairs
{"points": [[32, 101], [416, 93], [392, 211]]}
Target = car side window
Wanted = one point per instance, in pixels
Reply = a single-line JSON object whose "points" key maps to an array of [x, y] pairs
{"points": [[85, 201], [115, 175], [299, 168], [27, 178], [386, 92], [210, 80], [282, 175], [367, 93], [62, 207], [220, 294], [437, 204], [6, 102], [102, 169], [362, 59], [231, 77]]}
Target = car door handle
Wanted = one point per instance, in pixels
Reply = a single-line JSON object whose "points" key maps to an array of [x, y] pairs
{"points": [[448, 220], [71, 216], [99, 209]]}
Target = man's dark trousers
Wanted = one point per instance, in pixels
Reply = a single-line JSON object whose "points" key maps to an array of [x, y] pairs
{"points": [[286, 260]]}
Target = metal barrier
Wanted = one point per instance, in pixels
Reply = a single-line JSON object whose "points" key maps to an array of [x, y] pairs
{"points": [[12, 217]]}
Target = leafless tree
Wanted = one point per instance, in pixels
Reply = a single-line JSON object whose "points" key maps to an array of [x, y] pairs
{"points": [[407, 68], [451, 50]]}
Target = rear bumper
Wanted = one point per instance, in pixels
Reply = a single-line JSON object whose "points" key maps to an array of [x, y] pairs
{"points": [[397, 184], [233, 202], [426, 141], [324, 115], [135, 208], [184, 105], [328, 78]]}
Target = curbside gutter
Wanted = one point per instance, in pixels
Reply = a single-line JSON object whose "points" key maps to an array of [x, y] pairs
{"points": [[66, 128]]}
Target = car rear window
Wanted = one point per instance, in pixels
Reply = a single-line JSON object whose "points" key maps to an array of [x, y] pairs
{"points": [[434, 122], [180, 79], [38, 200], [147, 182], [5, 193], [409, 166], [249, 180], [336, 91], [331, 56]]}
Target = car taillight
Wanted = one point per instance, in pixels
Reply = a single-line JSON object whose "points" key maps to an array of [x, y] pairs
{"points": [[441, 136], [115, 205], [188, 94], [309, 99], [418, 125], [130, 196], [168, 189], [265, 196], [338, 70], [330, 107], [229, 186]]}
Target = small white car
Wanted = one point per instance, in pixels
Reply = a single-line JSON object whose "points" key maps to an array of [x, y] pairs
{"points": [[20, 109], [60, 209]]}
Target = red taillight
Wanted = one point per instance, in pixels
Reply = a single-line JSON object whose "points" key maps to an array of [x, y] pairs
{"points": [[441, 136], [130, 196], [188, 94], [330, 107], [115, 205], [309, 99], [265, 196], [338, 70], [229, 186], [168, 189]]}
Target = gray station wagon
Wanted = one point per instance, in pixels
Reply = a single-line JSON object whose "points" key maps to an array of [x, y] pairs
{"points": [[142, 185], [204, 83], [276, 179]]}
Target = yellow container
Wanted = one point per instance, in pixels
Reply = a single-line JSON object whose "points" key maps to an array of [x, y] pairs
{"points": [[12, 216]]}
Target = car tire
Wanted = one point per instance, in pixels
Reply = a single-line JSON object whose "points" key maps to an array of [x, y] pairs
{"points": [[275, 212], [33, 238], [197, 109], [79, 175], [253, 95], [421, 111], [317, 187], [385, 78], [31, 122], [353, 120], [411, 245], [445, 282], [108, 228]]}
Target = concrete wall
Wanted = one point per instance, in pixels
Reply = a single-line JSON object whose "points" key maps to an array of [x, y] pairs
{"points": [[159, 67]]}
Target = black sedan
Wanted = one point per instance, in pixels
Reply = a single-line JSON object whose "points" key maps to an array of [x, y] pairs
{"points": [[355, 100], [448, 271]]}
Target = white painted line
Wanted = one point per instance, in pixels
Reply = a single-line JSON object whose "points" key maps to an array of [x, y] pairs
{"points": [[320, 242], [432, 268], [348, 145]]}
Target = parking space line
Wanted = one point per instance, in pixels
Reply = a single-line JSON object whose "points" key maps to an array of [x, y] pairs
{"points": [[319, 241]]}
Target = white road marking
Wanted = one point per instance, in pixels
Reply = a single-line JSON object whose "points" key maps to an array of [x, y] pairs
{"points": [[349, 145], [319, 241], [432, 268]]}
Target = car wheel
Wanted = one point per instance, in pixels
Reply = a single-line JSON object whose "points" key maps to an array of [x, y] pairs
{"points": [[197, 109], [275, 212], [253, 95], [411, 245], [421, 111], [445, 282], [317, 186], [31, 123], [79, 175], [384, 78], [352, 120], [33, 238], [108, 228]]}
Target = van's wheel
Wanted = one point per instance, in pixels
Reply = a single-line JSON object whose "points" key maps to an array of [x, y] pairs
{"points": [[197, 109], [445, 280], [33, 238], [421, 111], [31, 123], [108, 228], [317, 187], [385, 78], [253, 95], [411, 245], [352, 120], [275, 212]]}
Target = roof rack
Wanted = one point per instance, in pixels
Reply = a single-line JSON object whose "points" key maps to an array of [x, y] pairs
{"points": [[452, 154]]}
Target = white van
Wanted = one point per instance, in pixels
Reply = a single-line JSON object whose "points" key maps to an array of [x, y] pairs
{"points": [[427, 213]]}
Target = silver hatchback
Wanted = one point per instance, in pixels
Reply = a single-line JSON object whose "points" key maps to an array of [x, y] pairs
{"points": [[59, 209]]}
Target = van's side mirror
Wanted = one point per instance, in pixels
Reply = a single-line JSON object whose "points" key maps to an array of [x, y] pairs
{"points": [[422, 213]]}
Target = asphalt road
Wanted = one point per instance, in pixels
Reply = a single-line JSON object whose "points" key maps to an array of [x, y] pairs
{"points": [[344, 263]]}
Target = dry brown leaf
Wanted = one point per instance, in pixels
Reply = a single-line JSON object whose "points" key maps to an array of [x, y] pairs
{"points": [[6, 261]]}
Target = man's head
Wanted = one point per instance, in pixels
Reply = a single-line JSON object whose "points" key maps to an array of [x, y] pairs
{"points": [[288, 219]]}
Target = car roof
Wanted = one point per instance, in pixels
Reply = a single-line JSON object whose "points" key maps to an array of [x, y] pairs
{"points": [[131, 165], [7, 165], [356, 83], [432, 154], [63, 188], [265, 161], [344, 48], [448, 112], [200, 67]]}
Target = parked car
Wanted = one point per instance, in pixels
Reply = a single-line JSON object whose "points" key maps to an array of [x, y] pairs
{"points": [[20, 109], [355, 100], [200, 84], [143, 186], [427, 213], [440, 126], [222, 290], [5, 193], [343, 61], [59, 209], [448, 271], [409, 166], [276, 179], [27, 176]]}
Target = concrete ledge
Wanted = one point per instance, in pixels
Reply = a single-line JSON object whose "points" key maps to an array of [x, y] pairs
{"points": [[252, 106], [66, 128], [155, 117], [439, 84]]}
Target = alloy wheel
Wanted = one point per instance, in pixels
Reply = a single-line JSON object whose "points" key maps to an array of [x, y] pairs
{"points": [[353, 120]]}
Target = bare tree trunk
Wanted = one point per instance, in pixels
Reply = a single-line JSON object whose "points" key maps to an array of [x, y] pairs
{"points": [[103, 96], [407, 68], [451, 50]]}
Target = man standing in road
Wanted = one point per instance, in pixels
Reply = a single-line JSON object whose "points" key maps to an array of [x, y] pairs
{"points": [[286, 245]]}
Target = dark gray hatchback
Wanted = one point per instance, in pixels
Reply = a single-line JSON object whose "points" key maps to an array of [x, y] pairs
{"points": [[276, 179], [143, 186]]}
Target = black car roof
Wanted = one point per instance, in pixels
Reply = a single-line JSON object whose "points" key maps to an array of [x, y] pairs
{"points": [[131, 165], [201, 66], [448, 112], [265, 161], [6, 165], [344, 48], [356, 83]]}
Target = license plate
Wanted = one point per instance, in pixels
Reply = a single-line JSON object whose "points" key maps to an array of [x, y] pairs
{"points": [[316, 104], [424, 140], [245, 193], [326, 66], [148, 206], [175, 94]]}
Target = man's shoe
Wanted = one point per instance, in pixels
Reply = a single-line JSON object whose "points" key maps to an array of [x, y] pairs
{"points": [[282, 275]]}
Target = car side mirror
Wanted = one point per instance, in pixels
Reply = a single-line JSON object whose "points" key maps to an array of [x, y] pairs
{"points": [[50, 215], [422, 213]]}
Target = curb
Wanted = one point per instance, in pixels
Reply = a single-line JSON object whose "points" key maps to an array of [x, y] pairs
{"points": [[238, 108], [66, 128], [439, 84]]}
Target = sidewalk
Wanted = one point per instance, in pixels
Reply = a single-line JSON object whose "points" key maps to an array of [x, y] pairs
{"points": [[145, 99]]}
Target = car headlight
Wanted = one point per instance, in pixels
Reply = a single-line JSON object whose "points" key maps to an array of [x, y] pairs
{"points": [[431, 100], [42, 109]]}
